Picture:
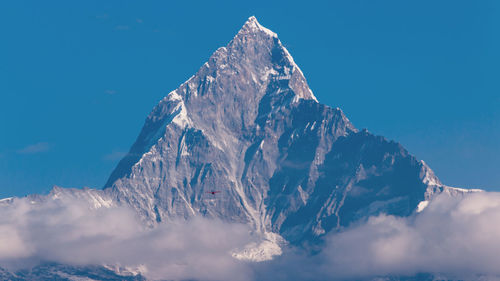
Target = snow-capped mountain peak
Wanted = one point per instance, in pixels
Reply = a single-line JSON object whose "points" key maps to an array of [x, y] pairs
{"points": [[247, 126], [245, 141], [253, 26]]}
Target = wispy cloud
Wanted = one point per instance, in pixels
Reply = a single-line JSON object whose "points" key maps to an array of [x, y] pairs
{"points": [[35, 148], [115, 155], [102, 16], [122, 27], [110, 92], [139, 21]]}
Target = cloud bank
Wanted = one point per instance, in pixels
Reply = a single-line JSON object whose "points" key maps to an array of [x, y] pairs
{"points": [[456, 238], [69, 232]]}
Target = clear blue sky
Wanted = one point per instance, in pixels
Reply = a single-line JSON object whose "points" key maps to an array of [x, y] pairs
{"points": [[77, 80]]}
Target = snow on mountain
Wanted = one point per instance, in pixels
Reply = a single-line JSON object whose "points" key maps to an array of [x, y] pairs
{"points": [[248, 125], [245, 140]]}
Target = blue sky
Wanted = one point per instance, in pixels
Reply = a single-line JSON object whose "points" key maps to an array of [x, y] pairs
{"points": [[77, 80]]}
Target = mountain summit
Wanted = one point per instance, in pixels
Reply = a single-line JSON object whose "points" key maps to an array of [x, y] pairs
{"points": [[244, 141], [247, 126]]}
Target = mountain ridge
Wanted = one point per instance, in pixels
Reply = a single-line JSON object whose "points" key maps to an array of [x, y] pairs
{"points": [[248, 124], [245, 140]]}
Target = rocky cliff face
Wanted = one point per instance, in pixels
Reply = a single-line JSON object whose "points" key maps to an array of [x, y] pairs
{"points": [[247, 126]]}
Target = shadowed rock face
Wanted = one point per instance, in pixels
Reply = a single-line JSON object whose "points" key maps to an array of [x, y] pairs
{"points": [[248, 125]]}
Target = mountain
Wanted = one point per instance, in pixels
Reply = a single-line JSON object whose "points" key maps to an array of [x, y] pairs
{"points": [[245, 140], [248, 126]]}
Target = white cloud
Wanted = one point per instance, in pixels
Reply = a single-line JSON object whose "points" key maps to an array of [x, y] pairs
{"points": [[457, 238], [69, 232], [35, 148], [452, 237]]}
